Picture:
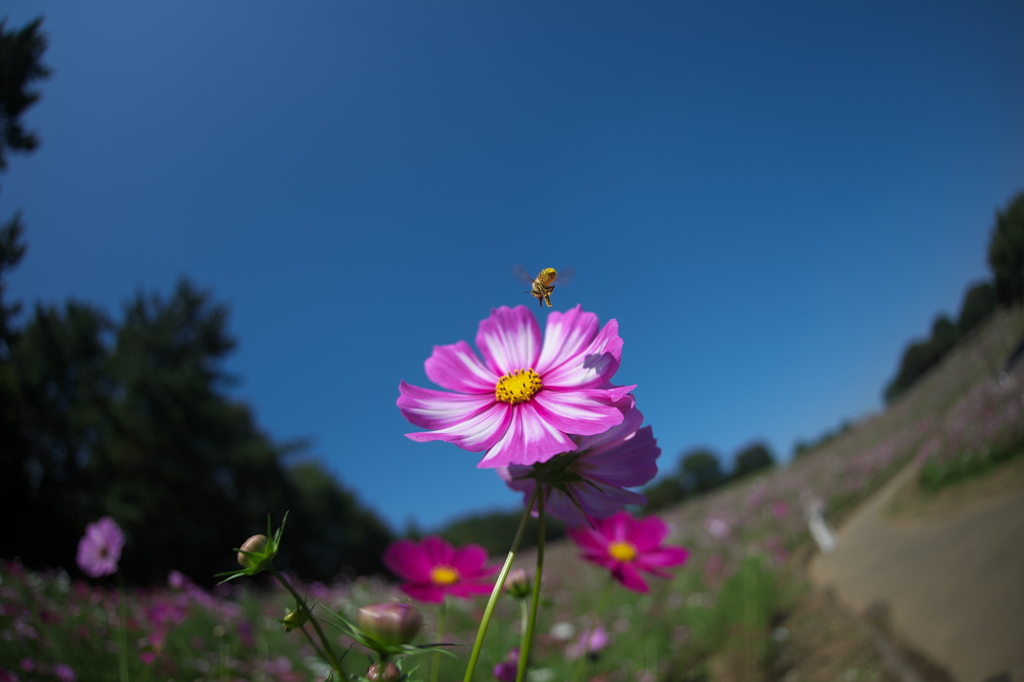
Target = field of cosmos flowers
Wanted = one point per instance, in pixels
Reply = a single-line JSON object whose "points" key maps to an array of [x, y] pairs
{"points": [[700, 592]]}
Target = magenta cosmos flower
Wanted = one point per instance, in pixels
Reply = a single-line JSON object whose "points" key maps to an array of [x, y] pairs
{"points": [[626, 546], [527, 396], [433, 568], [99, 550], [594, 478]]}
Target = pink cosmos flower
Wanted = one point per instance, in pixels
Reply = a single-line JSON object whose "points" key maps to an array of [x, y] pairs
{"points": [[99, 550], [525, 399], [589, 643], [626, 546], [433, 568], [594, 478], [506, 670]]}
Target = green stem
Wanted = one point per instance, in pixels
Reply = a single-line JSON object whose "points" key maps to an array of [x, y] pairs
{"points": [[312, 642], [474, 655], [442, 622], [331, 658], [122, 632], [524, 650]]}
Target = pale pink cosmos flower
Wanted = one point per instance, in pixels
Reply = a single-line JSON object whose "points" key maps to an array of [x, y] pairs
{"points": [[522, 402], [99, 550], [594, 479], [432, 569], [625, 546], [589, 643]]}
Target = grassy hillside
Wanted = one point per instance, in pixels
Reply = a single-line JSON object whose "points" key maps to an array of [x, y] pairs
{"points": [[738, 610]]}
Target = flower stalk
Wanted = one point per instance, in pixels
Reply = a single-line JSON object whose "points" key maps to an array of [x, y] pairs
{"points": [[524, 649], [499, 584], [331, 658]]}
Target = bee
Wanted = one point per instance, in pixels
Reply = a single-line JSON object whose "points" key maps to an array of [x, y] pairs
{"points": [[542, 285]]}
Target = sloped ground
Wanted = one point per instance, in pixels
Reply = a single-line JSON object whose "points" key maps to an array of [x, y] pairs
{"points": [[960, 577], [951, 579]]}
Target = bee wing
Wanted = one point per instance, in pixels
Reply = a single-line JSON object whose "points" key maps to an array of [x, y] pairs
{"points": [[565, 276], [522, 274]]}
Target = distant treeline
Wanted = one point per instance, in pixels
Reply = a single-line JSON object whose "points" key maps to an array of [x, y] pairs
{"points": [[1006, 288], [700, 471], [131, 419]]}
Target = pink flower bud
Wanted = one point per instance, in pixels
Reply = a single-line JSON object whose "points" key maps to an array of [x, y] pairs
{"points": [[255, 545], [383, 672], [390, 624], [518, 583]]}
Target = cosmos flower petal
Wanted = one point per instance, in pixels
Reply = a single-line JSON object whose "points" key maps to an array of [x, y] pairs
{"points": [[471, 560], [470, 590], [457, 368], [596, 502], [594, 366], [439, 551], [428, 593], [663, 557], [632, 462], [430, 409], [536, 417], [584, 412], [509, 340], [566, 335], [622, 527], [602, 468], [628, 575], [417, 564], [588, 538], [479, 432], [408, 560], [99, 549], [648, 533], [529, 439]]}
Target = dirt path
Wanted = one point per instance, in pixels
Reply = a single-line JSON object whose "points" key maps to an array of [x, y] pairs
{"points": [[954, 585]]}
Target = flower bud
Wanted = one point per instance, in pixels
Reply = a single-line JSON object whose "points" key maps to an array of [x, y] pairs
{"points": [[295, 618], [390, 624], [384, 672], [256, 546], [517, 584]]}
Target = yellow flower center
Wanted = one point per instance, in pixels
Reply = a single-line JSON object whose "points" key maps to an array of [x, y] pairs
{"points": [[444, 575], [620, 550], [518, 386]]}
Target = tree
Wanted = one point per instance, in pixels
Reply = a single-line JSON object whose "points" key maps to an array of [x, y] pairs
{"points": [[700, 470], [752, 458], [663, 494], [21, 54], [979, 302], [1006, 253]]}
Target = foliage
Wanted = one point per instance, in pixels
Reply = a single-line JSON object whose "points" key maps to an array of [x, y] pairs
{"points": [[21, 54], [754, 457], [979, 302], [664, 493], [701, 471], [132, 420], [1006, 252], [920, 356]]}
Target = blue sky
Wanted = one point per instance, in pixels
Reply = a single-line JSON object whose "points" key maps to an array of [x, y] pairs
{"points": [[771, 198]]}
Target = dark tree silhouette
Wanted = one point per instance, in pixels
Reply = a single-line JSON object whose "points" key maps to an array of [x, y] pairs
{"points": [[1006, 252], [752, 458], [21, 54]]}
